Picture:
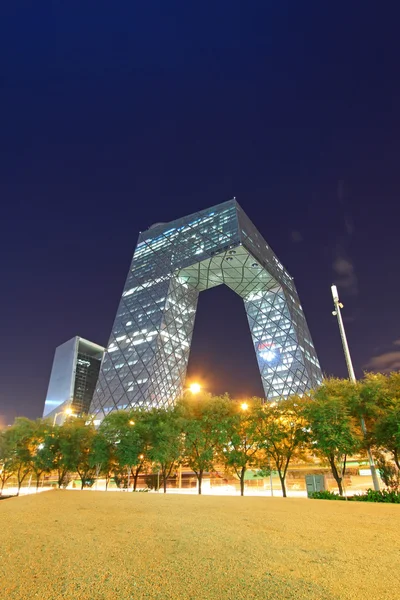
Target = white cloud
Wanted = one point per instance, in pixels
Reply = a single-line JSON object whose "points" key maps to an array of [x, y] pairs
{"points": [[386, 362]]}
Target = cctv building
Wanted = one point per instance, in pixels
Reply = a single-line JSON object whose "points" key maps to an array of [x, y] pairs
{"points": [[146, 359]]}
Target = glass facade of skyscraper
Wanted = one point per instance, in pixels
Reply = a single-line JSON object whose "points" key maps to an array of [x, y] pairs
{"points": [[86, 375], [146, 358], [73, 378]]}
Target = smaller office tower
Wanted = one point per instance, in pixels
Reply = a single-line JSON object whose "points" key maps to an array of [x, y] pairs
{"points": [[73, 378]]}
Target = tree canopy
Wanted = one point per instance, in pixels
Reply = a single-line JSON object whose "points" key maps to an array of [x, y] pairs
{"points": [[206, 433]]}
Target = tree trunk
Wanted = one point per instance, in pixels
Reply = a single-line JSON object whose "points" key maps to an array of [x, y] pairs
{"points": [[336, 475], [107, 480], [37, 482], [82, 483], [283, 484], [242, 474], [61, 477], [165, 481], [135, 479], [200, 479]]}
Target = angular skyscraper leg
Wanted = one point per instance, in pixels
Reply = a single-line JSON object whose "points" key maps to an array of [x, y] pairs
{"points": [[149, 347], [282, 342], [168, 369]]}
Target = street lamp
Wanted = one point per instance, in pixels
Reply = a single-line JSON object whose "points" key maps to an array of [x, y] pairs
{"points": [[68, 411], [195, 388], [337, 313], [244, 406]]}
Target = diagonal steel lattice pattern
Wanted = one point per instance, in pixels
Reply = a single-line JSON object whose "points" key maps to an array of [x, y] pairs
{"points": [[148, 351]]}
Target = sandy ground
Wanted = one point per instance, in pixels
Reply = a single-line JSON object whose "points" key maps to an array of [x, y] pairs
{"points": [[97, 545]]}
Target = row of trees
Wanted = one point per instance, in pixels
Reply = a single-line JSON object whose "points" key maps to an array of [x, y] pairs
{"points": [[208, 433]]}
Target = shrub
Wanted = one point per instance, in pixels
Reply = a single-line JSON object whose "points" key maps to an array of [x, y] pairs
{"points": [[121, 479], [151, 481], [387, 496], [389, 473], [89, 482], [66, 480], [325, 495]]}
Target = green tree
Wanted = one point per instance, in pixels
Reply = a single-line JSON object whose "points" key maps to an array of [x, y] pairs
{"points": [[102, 458], [200, 417], [68, 449], [165, 442], [129, 433], [333, 432], [22, 434], [393, 385], [387, 430], [113, 428], [60, 444], [239, 441], [390, 473], [83, 435], [7, 464], [367, 399], [41, 456], [282, 432]]}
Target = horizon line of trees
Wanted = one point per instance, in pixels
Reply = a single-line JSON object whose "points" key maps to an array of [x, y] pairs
{"points": [[206, 433]]}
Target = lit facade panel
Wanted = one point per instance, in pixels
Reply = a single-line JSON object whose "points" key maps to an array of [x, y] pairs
{"points": [[61, 384], [73, 378], [148, 351]]}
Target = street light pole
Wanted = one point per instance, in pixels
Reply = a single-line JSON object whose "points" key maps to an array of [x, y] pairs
{"points": [[337, 313]]}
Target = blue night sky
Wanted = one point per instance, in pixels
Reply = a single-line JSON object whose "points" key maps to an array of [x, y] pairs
{"points": [[115, 115]]}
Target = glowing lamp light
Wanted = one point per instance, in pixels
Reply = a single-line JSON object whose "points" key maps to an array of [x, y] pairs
{"points": [[68, 411], [131, 422], [244, 406], [195, 388]]}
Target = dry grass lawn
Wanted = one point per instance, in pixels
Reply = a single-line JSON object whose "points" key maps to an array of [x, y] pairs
{"points": [[97, 545]]}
